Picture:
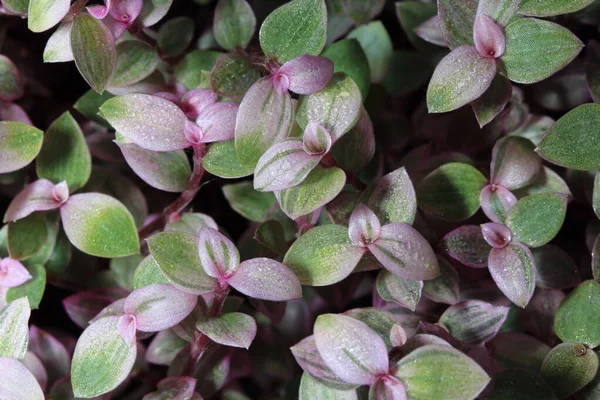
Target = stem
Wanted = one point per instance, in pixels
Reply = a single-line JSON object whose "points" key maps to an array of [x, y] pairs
{"points": [[75, 9], [182, 201]]}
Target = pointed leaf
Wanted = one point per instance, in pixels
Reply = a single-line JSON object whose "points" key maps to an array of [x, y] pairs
{"points": [[222, 161], [175, 36], [444, 288], [164, 348], [33, 288], [356, 148], [377, 46], [136, 60], [451, 192], [51, 352], [177, 255], [536, 219], [304, 74], [41, 195], [65, 155], [349, 57], [436, 372], [488, 37], [231, 329], [174, 388], [513, 270], [234, 24], [20, 143], [500, 11], [44, 14], [474, 321], [218, 255], [411, 14], [380, 321], [27, 236], [102, 360], [11, 82], [350, 348], [577, 316], [456, 21], [460, 78], [493, 101], [99, 225], [18, 6], [467, 245], [514, 163], [246, 201], [266, 279], [496, 202], [323, 256], [388, 388], [265, 117], [555, 269], [569, 367], [364, 227], [83, 306], [148, 273], [431, 32], [194, 65], [405, 292], [150, 122], [14, 332], [58, 47], [153, 11], [296, 28], [233, 74], [94, 51], [312, 389], [548, 8], [526, 61], [191, 223], [17, 383]]}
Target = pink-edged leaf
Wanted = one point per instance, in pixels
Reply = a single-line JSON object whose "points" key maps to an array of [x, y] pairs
{"points": [[164, 347], [284, 165], [99, 12], [514, 162], [231, 329], [461, 77], [41, 195], [431, 32], [17, 383], [125, 11], [398, 336], [496, 201], [115, 309], [473, 321], [316, 139], [265, 117], [127, 327], [116, 27], [364, 227], [166, 170], [467, 245], [217, 122], [493, 101], [83, 306], [303, 75], [513, 270], [497, 235], [194, 102], [12, 273], [266, 279], [158, 307], [388, 387], [218, 255], [174, 388], [352, 350], [403, 251], [488, 37], [149, 121], [51, 352], [501, 11], [13, 112], [538, 316], [36, 367]]}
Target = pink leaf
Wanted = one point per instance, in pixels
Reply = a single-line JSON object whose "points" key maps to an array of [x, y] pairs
{"points": [[467, 245], [99, 12], [17, 383], [514, 162], [513, 270], [303, 75], [217, 122], [36, 367], [197, 100], [497, 235], [364, 227], [488, 37], [12, 273], [316, 139], [266, 279], [13, 112], [116, 27], [219, 257], [352, 350], [496, 201], [431, 32], [83, 306], [127, 327], [285, 165], [158, 307], [403, 251], [41, 195], [126, 11], [51, 352], [398, 336], [388, 387], [174, 388]]}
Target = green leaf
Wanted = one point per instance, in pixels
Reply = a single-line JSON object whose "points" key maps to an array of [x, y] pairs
{"points": [[436, 372], [380, 321], [14, 331], [189, 70], [27, 236], [320, 187], [596, 195], [596, 259], [52, 225], [545, 181], [44, 14], [501, 11], [493, 101], [323, 256], [175, 35], [296, 28], [249, 203], [473, 321], [526, 59], [231, 329], [445, 288], [11, 82], [102, 359], [221, 160], [130, 195], [148, 273], [65, 155], [456, 21], [569, 143], [536, 219], [89, 105], [311, 389], [234, 24], [517, 384], [335, 107], [349, 57], [411, 15], [153, 11], [20, 143], [451, 192], [177, 256], [554, 268], [569, 367], [377, 45], [99, 225], [33, 289], [577, 317], [271, 234], [548, 8], [136, 60], [191, 223], [405, 292], [355, 150], [19, 6], [123, 268], [232, 76], [94, 51]]}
